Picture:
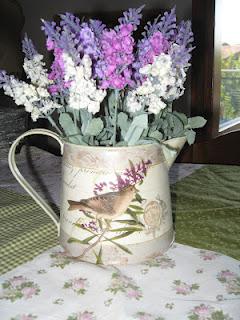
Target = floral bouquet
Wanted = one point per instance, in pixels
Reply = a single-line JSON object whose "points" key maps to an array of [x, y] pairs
{"points": [[104, 87]]}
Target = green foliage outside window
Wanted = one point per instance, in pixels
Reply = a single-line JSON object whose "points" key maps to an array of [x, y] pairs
{"points": [[230, 87]]}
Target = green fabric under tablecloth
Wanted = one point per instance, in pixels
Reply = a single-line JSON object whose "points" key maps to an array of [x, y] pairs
{"points": [[25, 230], [206, 206]]}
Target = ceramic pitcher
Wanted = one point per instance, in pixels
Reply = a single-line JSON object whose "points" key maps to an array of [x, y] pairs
{"points": [[115, 201]]}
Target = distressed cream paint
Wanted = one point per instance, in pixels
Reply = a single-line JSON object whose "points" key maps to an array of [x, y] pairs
{"points": [[117, 226]]}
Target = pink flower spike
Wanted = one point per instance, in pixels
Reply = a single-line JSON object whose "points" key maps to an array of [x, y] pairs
{"points": [[53, 89], [126, 29], [50, 44], [110, 69], [104, 84]]}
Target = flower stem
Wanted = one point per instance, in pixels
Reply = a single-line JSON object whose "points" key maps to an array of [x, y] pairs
{"points": [[53, 123], [115, 117], [91, 246], [75, 117]]}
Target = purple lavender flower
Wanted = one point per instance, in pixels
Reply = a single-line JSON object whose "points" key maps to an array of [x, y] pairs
{"points": [[92, 225], [114, 68], [181, 54], [130, 176], [163, 36], [136, 173], [89, 42], [63, 38], [85, 39], [57, 70], [148, 48], [97, 27], [132, 16], [156, 40], [99, 187], [51, 30], [71, 21], [122, 182], [69, 43], [28, 48], [166, 25]]}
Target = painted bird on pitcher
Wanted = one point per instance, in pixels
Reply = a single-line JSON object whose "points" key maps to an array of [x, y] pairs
{"points": [[108, 205]]}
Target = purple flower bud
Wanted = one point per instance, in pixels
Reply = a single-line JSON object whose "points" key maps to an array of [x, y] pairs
{"points": [[50, 44], [125, 29], [28, 48]]}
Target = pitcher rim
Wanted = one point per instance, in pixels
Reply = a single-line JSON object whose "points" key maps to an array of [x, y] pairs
{"points": [[119, 147], [110, 147]]}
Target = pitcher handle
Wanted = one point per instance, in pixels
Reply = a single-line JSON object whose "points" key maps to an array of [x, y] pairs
{"points": [[14, 169]]}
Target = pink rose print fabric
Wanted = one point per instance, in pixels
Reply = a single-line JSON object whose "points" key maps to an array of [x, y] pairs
{"points": [[183, 284]]}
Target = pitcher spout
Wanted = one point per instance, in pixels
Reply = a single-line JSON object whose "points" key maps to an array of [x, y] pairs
{"points": [[171, 148]]}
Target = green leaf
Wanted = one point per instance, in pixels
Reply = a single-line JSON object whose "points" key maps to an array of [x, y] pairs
{"points": [[165, 124], [85, 119], [94, 127], [181, 116], [120, 246], [156, 135], [130, 222], [99, 256], [145, 141], [72, 132], [136, 129], [133, 229], [190, 135], [111, 103], [145, 133], [133, 212], [134, 216], [122, 235], [159, 123], [132, 136], [197, 122], [100, 223], [170, 120], [132, 206], [102, 135], [104, 142], [121, 144], [138, 197], [77, 139], [123, 123], [84, 241], [78, 225]]}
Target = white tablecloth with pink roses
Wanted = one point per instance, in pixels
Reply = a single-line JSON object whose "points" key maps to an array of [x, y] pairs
{"points": [[184, 283]]}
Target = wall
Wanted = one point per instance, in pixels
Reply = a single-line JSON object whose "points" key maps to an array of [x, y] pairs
{"points": [[12, 118], [35, 10]]}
